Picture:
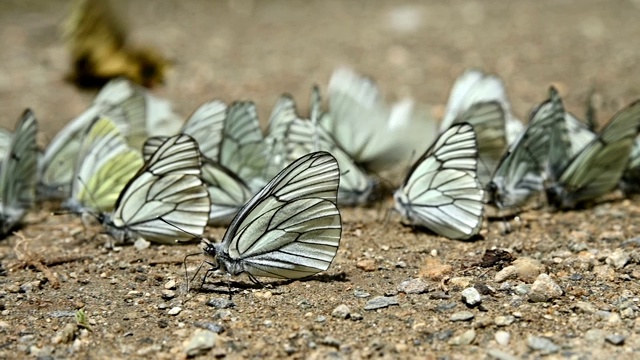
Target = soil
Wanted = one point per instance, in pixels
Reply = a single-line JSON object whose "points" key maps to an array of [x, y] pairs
{"points": [[246, 49]]}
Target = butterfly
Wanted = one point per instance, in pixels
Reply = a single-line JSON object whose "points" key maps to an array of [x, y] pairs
{"points": [[18, 173], [232, 145], [105, 165], [165, 202], [100, 51], [520, 173], [5, 142], [480, 100], [137, 114], [367, 129], [441, 191], [290, 229], [630, 181], [305, 136], [597, 168]]}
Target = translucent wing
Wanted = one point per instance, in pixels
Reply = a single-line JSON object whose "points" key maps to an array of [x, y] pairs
{"points": [[227, 191], [441, 191], [105, 166], [206, 126], [630, 182], [579, 133], [367, 129], [355, 186], [5, 142], [474, 87], [597, 169], [488, 120], [520, 173], [283, 113], [291, 228], [18, 173], [166, 201]]}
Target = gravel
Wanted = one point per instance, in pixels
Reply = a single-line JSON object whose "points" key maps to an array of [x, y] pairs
{"points": [[413, 286], [471, 296], [542, 344], [342, 311], [544, 289], [462, 316], [380, 302], [200, 342], [221, 303]]}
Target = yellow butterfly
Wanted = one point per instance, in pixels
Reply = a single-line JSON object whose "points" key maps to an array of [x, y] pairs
{"points": [[100, 50]]}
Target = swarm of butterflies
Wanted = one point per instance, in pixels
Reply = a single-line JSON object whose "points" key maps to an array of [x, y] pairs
{"points": [[129, 162]]}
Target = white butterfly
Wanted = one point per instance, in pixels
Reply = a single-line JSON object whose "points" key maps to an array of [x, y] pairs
{"points": [[166, 201], [5, 142], [137, 113], [475, 87], [630, 182], [290, 229], [105, 165], [18, 173], [598, 167], [377, 137], [521, 171], [441, 191]]}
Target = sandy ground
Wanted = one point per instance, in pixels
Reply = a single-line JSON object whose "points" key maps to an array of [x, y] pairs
{"points": [[256, 50]]}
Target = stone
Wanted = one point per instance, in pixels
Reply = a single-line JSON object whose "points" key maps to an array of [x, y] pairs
{"points": [[471, 296], [221, 303], [544, 289], [460, 282], [615, 339], [141, 244], [504, 320], [465, 338], [367, 265], [200, 342], [508, 272], [380, 302], [361, 294], [413, 286], [501, 355], [174, 311], [341, 311], [502, 337], [604, 273], [528, 269], [618, 259], [542, 344], [462, 316], [170, 285], [434, 269]]}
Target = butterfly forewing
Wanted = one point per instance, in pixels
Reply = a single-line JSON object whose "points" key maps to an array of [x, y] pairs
{"points": [[206, 126]]}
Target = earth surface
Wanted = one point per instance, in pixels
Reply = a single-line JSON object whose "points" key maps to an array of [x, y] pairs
{"points": [[135, 299]]}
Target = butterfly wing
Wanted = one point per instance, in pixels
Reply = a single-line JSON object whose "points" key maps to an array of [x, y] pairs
{"points": [[282, 115], [166, 201], [520, 172], [630, 182], [597, 169], [227, 191], [105, 166], [292, 227], [5, 142], [206, 126], [441, 191], [303, 138], [18, 173]]}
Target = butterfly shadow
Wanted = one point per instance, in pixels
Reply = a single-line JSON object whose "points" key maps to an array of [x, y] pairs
{"points": [[234, 287]]}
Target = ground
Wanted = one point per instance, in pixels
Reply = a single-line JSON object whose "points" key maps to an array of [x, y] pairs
{"points": [[257, 50]]}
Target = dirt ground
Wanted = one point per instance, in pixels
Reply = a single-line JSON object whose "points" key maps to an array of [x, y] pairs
{"points": [[256, 50]]}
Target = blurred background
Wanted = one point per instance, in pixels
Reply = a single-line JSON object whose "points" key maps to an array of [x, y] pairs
{"points": [[249, 49]]}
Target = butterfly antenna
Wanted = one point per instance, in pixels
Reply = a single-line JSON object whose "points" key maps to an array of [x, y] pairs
{"points": [[186, 274], [195, 236], [590, 114]]}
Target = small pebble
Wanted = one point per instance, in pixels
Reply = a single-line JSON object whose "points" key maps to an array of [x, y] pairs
{"points": [[445, 306], [361, 294], [413, 286], [200, 342], [462, 316], [341, 311], [321, 319], [542, 344], [213, 327], [65, 335], [174, 310], [141, 244], [380, 302], [522, 289], [502, 337], [594, 336], [366, 265], [471, 296], [585, 307], [544, 289], [170, 285], [331, 341], [460, 282], [618, 259], [504, 320], [465, 338], [508, 272], [356, 316], [604, 272], [528, 269], [168, 294], [501, 355], [221, 303], [615, 339]]}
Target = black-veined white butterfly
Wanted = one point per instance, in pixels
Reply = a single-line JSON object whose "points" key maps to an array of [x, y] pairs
{"points": [[105, 165], [137, 113], [598, 167], [441, 191], [630, 182], [18, 173], [290, 229], [377, 137], [166, 202], [5, 142], [521, 171]]}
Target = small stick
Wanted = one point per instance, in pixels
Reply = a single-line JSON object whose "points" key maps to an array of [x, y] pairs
{"points": [[27, 258]]}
